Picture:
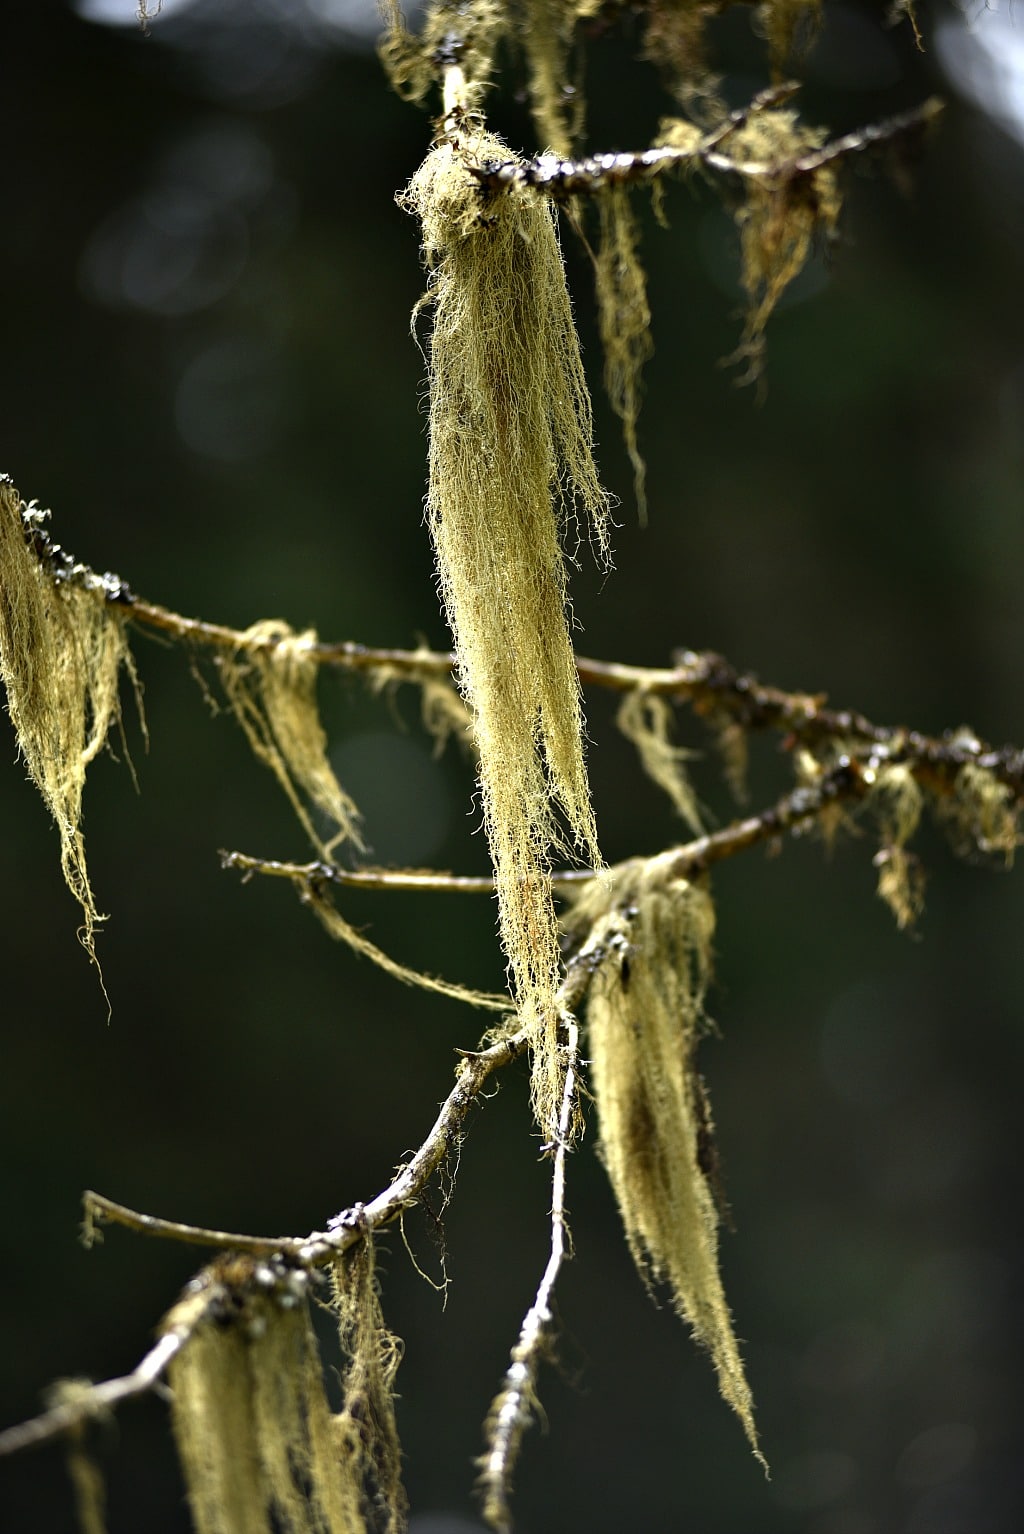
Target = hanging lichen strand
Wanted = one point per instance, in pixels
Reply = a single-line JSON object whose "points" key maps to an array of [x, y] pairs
{"points": [[62, 646], [510, 460], [260, 1448], [270, 685], [645, 1014]]}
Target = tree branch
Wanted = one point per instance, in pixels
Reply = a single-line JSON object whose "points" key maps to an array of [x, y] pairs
{"points": [[560, 179], [94, 1400], [714, 686]]}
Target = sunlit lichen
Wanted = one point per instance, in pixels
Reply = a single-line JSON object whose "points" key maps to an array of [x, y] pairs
{"points": [[510, 461], [783, 211], [897, 802], [459, 34], [546, 30], [625, 321], [62, 646], [259, 1447], [270, 684], [344, 932], [645, 719], [645, 1014], [367, 1418]]}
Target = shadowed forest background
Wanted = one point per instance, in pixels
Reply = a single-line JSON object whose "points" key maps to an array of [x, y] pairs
{"points": [[209, 377]]}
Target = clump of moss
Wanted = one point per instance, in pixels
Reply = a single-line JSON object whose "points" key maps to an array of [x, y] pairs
{"points": [[62, 646], [510, 462], [645, 1016]]}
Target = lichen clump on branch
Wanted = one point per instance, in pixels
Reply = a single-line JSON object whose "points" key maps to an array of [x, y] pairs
{"points": [[62, 646], [511, 464]]}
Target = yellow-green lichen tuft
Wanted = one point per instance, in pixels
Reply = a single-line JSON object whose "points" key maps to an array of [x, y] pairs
{"points": [[625, 321], [343, 931], [459, 34], [789, 26], [897, 801], [510, 463], [62, 646], [366, 1422], [783, 211], [645, 719], [981, 815], [645, 1015], [259, 1447], [270, 685], [547, 29]]}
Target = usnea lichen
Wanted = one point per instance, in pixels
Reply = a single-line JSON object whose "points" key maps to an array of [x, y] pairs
{"points": [[270, 686], [510, 461], [367, 1417], [645, 1015], [62, 647], [897, 801], [343, 931], [624, 318], [645, 719], [784, 210], [259, 1446]]}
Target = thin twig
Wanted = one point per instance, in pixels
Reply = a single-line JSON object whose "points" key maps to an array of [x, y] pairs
{"points": [[512, 1410], [99, 1210], [711, 683], [850, 779], [94, 1400], [362, 878]]}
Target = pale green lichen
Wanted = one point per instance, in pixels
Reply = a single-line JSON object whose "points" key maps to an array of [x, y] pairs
{"points": [[62, 647], [645, 1015], [510, 461]]}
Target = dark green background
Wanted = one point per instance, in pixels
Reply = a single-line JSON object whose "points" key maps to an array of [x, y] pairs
{"points": [[207, 373]]}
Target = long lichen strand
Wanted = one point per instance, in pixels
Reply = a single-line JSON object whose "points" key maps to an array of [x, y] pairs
{"points": [[62, 646], [625, 322], [510, 459], [645, 1014]]}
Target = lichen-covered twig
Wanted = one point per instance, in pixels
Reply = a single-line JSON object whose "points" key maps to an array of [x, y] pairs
{"points": [[707, 680], [560, 178], [514, 1406], [845, 781], [713, 685], [318, 1249]]}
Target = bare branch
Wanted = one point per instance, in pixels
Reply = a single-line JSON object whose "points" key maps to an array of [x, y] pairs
{"points": [[99, 1210], [414, 879]]}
